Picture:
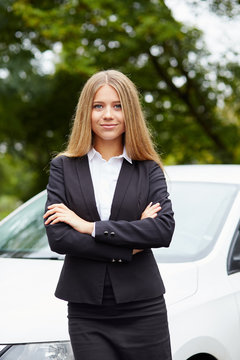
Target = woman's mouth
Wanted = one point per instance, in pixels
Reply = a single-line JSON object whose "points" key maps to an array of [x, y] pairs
{"points": [[108, 126]]}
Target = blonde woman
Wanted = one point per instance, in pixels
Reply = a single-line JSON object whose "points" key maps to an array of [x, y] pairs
{"points": [[107, 207]]}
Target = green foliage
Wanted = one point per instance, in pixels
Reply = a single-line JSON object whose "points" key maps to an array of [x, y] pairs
{"points": [[191, 103]]}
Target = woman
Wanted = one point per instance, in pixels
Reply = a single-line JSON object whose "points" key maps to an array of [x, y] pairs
{"points": [[103, 211]]}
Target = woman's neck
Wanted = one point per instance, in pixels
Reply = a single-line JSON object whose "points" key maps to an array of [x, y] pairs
{"points": [[108, 149]]}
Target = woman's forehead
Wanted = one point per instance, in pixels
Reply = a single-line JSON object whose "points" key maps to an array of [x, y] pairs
{"points": [[106, 92]]}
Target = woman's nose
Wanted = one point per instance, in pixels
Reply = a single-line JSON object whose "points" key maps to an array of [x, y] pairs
{"points": [[108, 112]]}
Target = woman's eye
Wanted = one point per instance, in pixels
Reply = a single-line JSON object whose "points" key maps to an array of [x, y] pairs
{"points": [[97, 106], [118, 106]]}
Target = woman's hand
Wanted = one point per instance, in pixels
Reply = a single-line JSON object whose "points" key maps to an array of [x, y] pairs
{"points": [[61, 213], [151, 211]]}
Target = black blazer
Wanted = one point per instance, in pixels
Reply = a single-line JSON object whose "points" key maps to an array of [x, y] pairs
{"points": [[133, 277]]}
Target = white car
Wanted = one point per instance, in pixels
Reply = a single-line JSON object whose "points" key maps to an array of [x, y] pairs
{"points": [[200, 269]]}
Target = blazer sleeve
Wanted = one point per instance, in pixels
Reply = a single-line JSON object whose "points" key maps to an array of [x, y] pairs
{"points": [[63, 239], [146, 233]]}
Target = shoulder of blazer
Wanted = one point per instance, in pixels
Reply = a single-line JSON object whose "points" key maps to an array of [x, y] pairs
{"points": [[59, 160], [149, 170], [149, 165]]}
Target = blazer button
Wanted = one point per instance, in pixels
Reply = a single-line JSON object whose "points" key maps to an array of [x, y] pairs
{"points": [[106, 233], [112, 233], [113, 260], [120, 260]]}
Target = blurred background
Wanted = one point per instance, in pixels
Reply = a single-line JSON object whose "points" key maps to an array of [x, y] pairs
{"points": [[183, 56]]}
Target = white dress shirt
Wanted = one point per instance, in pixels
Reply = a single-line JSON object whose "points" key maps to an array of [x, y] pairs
{"points": [[104, 177]]}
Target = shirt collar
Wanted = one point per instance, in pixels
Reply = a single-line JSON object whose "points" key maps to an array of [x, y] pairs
{"points": [[124, 155]]}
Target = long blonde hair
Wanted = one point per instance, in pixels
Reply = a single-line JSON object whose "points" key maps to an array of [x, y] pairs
{"points": [[138, 142]]}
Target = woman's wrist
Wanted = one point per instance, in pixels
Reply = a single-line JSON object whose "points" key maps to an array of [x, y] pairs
{"points": [[88, 227], [83, 226]]}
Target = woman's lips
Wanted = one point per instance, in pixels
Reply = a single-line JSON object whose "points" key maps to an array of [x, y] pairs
{"points": [[108, 126]]}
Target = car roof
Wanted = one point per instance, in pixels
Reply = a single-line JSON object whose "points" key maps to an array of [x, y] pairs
{"points": [[229, 174]]}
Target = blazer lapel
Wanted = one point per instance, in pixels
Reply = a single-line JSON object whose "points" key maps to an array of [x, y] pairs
{"points": [[124, 178], [85, 180]]}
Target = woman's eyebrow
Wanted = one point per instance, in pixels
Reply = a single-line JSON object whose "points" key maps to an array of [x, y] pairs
{"points": [[101, 101]]}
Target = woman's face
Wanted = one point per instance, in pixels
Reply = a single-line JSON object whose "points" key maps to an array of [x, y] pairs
{"points": [[107, 115]]}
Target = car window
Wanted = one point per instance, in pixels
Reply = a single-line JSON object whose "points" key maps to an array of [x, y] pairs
{"points": [[200, 211], [23, 234]]}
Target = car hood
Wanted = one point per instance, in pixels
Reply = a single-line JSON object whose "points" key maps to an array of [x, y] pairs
{"points": [[180, 280], [29, 312]]}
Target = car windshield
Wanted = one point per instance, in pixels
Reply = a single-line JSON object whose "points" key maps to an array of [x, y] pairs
{"points": [[200, 211], [23, 233]]}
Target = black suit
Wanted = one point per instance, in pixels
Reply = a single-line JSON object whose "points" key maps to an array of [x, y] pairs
{"points": [[133, 277]]}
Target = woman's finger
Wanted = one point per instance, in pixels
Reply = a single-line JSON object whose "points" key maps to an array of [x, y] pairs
{"points": [[51, 218], [149, 205], [55, 209], [57, 220], [49, 212], [155, 205], [151, 211], [55, 215]]}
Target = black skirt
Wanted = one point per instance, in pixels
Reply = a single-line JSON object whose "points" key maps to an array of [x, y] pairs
{"points": [[126, 331]]}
